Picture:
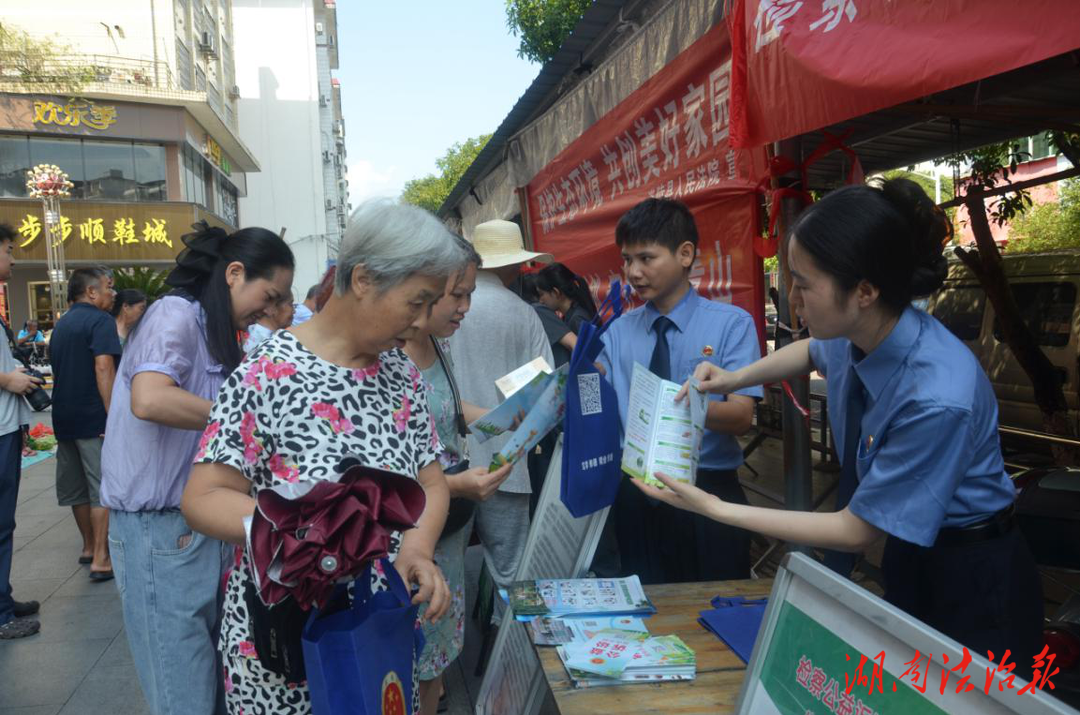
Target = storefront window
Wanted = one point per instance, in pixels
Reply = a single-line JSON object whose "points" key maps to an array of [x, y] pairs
{"points": [[226, 202], [14, 163], [66, 154], [194, 177], [110, 171], [40, 303], [100, 170], [150, 172]]}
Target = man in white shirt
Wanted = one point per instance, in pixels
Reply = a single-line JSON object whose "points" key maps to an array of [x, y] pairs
{"points": [[500, 333]]}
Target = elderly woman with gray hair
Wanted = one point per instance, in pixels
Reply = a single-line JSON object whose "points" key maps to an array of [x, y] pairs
{"points": [[338, 384]]}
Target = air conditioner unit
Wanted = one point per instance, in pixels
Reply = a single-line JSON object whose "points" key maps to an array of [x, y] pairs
{"points": [[329, 205], [326, 155], [319, 28], [208, 44], [234, 91], [323, 100]]}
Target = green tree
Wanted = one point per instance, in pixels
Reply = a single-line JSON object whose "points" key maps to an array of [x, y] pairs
{"points": [[1049, 226], [543, 25], [149, 281], [430, 191], [41, 64], [992, 166]]}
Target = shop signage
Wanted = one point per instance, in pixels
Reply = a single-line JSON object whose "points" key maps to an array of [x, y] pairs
{"points": [[217, 157], [74, 113], [122, 231]]}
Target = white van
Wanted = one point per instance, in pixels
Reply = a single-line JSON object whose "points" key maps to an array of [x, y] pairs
{"points": [[1046, 287]]}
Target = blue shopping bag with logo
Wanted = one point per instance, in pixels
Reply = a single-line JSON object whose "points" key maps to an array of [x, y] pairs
{"points": [[359, 656], [592, 440]]}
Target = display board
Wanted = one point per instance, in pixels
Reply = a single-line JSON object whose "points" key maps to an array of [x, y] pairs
{"points": [[558, 546], [822, 632]]}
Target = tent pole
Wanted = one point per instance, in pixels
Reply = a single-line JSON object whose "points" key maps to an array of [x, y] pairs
{"points": [[798, 486]]}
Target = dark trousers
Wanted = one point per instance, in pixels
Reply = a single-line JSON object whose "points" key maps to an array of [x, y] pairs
{"points": [[10, 469], [986, 596], [539, 461], [662, 544]]}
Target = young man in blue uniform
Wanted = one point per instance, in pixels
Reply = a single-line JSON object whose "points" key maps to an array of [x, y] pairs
{"points": [[671, 334]]}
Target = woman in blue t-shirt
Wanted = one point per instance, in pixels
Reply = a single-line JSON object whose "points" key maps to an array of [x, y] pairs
{"points": [[914, 416]]}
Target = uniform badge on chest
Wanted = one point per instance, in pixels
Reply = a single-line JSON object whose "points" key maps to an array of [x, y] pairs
{"points": [[707, 351], [869, 443]]}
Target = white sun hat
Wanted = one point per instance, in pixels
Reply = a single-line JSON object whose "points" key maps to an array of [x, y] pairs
{"points": [[500, 244]]}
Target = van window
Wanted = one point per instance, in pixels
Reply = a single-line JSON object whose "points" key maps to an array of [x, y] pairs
{"points": [[960, 309], [1047, 309]]}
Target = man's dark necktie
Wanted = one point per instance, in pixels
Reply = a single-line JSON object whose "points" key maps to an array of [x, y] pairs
{"points": [[840, 561], [660, 363]]}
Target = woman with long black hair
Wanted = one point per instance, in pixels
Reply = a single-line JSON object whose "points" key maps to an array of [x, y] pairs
{"points": [[175, 361], [564, 291], [914, 415]]}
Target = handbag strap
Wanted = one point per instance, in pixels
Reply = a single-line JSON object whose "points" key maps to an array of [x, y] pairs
{"points": [[459, 408], [362, 585]]}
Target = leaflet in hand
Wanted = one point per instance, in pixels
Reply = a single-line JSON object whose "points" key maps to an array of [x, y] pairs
{"points": [[544, 416], [500, 420], [512, 382], [662, 435], [579, 597]]}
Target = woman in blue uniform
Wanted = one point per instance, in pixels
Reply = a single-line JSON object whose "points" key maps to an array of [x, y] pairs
{"points": [[915, 416]]}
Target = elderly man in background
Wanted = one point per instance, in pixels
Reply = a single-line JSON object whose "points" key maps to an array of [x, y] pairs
{"points": [[83, 353]]}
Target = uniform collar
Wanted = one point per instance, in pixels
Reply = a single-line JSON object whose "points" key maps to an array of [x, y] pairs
{"points": [[876, 369], [679, 315]]}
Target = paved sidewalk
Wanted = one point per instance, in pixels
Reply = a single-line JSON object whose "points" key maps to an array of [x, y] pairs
{"points": [[79, 663]]}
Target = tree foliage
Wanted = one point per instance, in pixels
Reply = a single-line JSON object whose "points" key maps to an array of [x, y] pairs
{"points": [[43, 64], [429, 192], [990, 166], [1050, 226], [149, 281], [543, 25]]}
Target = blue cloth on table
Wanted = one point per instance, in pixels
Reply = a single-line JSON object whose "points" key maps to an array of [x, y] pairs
{"points": [[736, 621]]}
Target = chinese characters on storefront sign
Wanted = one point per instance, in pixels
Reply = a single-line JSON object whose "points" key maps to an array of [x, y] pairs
{"points": [[661, 152], [94, 230], [213, 152], [75, 113]]}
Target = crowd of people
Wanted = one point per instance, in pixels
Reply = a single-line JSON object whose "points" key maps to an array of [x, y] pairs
{"points": [[169, 424]]}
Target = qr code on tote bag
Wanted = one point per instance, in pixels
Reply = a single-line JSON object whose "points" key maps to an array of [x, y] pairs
{"points": [[589, 392]]}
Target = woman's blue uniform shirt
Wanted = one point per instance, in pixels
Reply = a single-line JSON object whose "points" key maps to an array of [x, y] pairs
{"points": [[929, 455]]}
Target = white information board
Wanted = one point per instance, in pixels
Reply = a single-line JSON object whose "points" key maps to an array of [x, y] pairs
{"points": [[818, 626], [559, 546]]}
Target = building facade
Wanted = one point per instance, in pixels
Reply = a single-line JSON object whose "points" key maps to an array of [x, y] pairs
{"points": [[290, 115], [151, 143]]}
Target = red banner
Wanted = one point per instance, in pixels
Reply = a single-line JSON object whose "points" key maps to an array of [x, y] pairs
{"points": [[667, 139], [801, 65]]}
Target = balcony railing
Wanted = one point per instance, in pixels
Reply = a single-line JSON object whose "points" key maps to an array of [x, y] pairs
{"points": [[105, 73]]}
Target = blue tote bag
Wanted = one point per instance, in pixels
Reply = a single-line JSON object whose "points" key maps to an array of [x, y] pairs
{"points": [[360, 659], [592, 440]]}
